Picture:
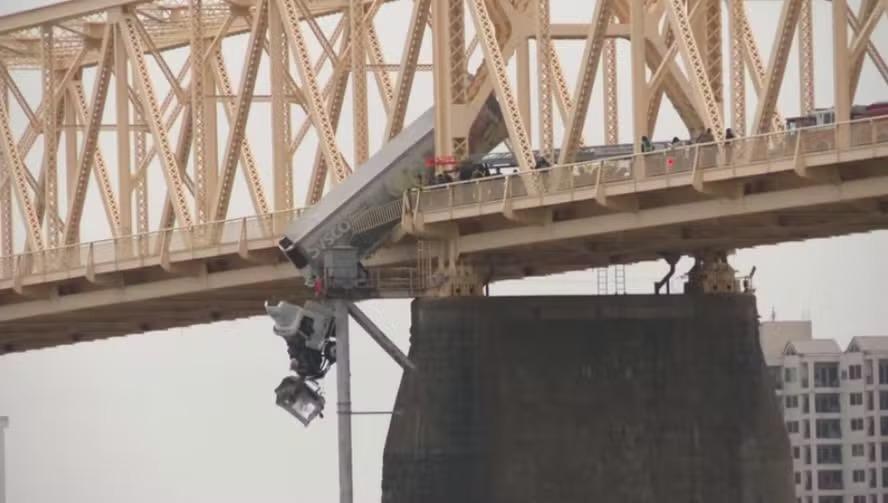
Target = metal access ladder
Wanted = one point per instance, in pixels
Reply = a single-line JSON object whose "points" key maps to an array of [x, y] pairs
{"points": [[603, 280]]}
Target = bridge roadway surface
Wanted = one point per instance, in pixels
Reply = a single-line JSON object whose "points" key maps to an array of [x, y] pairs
{"points": [[819, 182]]}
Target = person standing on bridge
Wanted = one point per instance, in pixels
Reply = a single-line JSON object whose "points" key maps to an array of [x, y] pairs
{"points": [[729, 136], [706, 151], [646, 145]]}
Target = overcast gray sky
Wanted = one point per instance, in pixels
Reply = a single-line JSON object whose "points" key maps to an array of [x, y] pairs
{"points": [[187, 415]]}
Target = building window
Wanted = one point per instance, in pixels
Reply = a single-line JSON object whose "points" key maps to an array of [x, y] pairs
{"points": [[883, 425], [789, 374], [792, 426], [830, 499], [830, 479], [828, 428], [869, 400], [858, 476], [829, 454], [860, 499], [884, 451], [805, 404], [855, 372], [792, 401], [857, 450], [883, 371], [826, 402], [797, 453], [883, 400], [857, 424], [798, 478], [885, 478], [855, 398], [826, 374]]}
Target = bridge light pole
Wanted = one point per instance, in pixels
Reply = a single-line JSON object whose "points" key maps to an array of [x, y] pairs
{"points": [[343, 397]]}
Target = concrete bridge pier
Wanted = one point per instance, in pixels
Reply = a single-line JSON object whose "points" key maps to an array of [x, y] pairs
{"points": [[621, 399]]}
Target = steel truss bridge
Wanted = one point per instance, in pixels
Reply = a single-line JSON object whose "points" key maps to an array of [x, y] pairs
{"points": [[129, 127]]}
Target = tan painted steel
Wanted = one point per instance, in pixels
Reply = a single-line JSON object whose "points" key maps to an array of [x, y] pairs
{"points": [[198, 264]]}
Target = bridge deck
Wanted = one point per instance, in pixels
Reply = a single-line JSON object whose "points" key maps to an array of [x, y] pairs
{"points": [[815, 182], [760, 190]]}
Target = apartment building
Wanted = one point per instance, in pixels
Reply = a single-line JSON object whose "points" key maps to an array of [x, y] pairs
{"points": [[835, 404]]}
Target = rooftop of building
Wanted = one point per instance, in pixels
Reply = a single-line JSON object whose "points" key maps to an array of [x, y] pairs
{"points": [[776, 335], [868, 344], [812, 347], [794, 337]]}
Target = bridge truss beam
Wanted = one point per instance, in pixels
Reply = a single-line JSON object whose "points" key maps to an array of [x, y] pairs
{"points": [[183, 95]]}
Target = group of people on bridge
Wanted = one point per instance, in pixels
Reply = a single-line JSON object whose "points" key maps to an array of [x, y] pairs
{"points": [[704, 137], [456, 171]]}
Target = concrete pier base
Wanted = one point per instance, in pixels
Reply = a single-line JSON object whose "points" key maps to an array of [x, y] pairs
{"points": [[624, 399]]}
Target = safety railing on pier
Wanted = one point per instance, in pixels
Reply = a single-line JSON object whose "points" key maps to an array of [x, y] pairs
{"points": [[149, 249], [398, 282], [697, 158]]}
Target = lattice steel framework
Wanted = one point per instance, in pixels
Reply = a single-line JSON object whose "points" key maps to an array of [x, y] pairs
{"points": [[108, 82]]}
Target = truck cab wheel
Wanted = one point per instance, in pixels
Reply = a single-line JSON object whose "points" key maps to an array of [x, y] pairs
{"points": [[330, 351]]}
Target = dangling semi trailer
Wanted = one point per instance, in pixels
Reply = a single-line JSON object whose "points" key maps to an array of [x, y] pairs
{"points": [[361, 211], [332, 237]]}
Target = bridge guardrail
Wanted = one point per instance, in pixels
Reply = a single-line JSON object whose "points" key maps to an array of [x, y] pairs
{"points": [[152, 248], [767, 148]]}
